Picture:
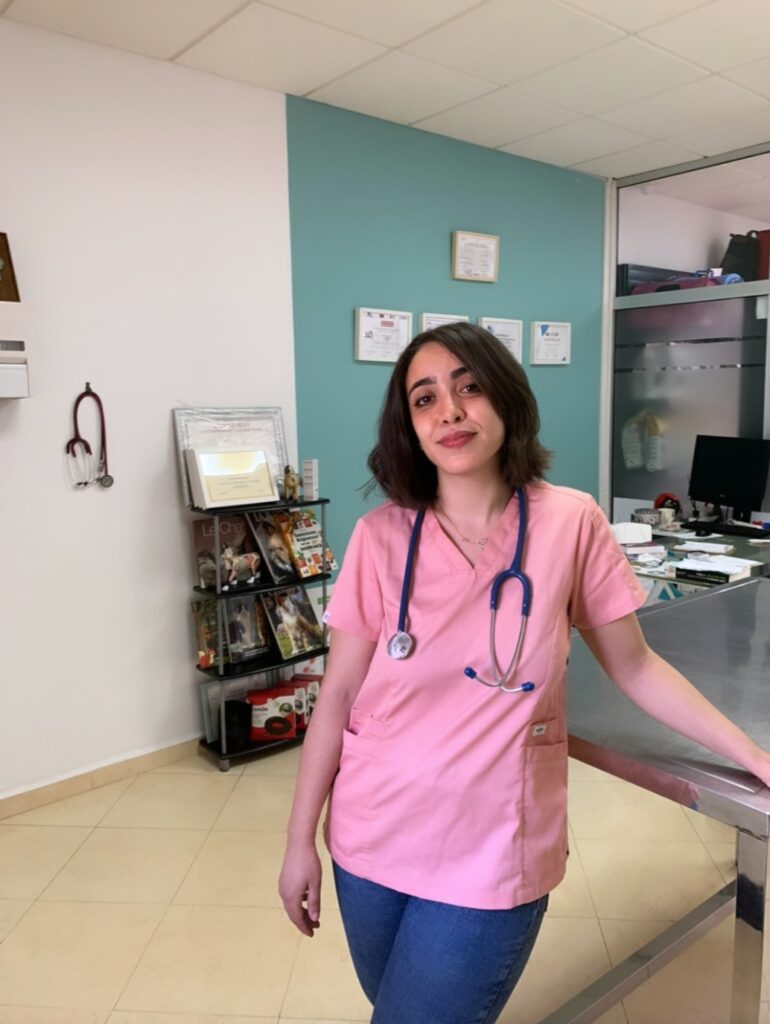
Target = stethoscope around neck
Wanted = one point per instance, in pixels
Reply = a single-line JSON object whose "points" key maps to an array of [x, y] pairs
{"points": [[401, 644]]}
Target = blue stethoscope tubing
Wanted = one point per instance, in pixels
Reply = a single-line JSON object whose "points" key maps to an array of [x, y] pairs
{"points": [[401, 643]]}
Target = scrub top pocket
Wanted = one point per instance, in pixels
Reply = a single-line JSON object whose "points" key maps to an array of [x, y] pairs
{"points": [[544, 817]]}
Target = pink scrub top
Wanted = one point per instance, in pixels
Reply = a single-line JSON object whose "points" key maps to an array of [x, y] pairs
{"points": [[447, 789]]}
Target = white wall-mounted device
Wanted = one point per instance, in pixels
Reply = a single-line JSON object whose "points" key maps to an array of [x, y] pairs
{"points": [[14, 372]]}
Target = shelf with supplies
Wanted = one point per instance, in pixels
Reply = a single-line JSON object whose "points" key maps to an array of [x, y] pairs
{"points": [[254, 619]]}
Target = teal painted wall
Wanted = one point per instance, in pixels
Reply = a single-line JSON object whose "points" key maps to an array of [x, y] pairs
{"points": [[373, 205]]}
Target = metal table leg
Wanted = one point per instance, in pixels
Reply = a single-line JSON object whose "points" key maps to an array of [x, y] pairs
{"points": [[749, 928]]}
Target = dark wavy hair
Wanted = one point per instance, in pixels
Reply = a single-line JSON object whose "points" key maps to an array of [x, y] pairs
{"points": [[397, 463]]}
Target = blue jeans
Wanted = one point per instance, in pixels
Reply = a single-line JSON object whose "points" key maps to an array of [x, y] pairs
{"points": [[422, 962]]}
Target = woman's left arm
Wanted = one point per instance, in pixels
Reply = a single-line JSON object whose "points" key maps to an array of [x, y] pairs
{"points": [[664, 693]]}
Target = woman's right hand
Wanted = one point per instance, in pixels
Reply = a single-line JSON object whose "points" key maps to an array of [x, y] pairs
{"points": [[299, 887]]}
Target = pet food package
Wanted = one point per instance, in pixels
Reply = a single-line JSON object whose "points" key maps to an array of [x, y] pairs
{"points": [[300, 704], [273, 714], [312, 683]]}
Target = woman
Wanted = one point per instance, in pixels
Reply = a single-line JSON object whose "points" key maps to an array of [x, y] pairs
{"points": [[447, 818]]}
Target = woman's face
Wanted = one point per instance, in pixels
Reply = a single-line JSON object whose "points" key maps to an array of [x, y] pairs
{"points": [[456, 425]]}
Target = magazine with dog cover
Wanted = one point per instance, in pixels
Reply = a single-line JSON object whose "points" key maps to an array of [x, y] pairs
{"points": [[248, 634], [293, 622], [272, 546], [240, 561], [206, 632]]}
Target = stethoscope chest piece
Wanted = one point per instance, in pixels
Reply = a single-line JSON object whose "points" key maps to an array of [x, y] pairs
{"points": [[106, 480], [400, 645]]}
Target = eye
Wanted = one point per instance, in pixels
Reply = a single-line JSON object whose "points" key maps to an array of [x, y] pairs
{"points": [[422, 400], [471, 388]]}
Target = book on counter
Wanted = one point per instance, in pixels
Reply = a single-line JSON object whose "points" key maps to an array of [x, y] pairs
{"points": [[293, 622], [239, 559], [714, 569], [269, 538], [301, 532]]}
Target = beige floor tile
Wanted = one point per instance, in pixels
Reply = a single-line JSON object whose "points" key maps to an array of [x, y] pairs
{"points": [[127, 865], [258, 805], [315, 1020], [709, 829], [572, 898], [237, 869], [198, 764], [623, 938], [30, 856], [11, 912], [580, 772], [133, 1017], [86, 809], [77, 955], [50, 1015], [723, 855], [323, 983], [171, 801], [281, 762], [659, 880], [764, 1013], [234, 960], [551, 977], [622, 811]]}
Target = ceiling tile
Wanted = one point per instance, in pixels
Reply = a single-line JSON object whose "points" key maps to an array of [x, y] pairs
{"points": [[696, 105], [759, 210], [730, 198], [399, 87], [505, 40], [498, 118], [707, 179], [727, 135], [573, 143], [755, 76], [390, 23], [649, 157], [142, 26], [620, 73], [757, 165], [632, 15], [279, 51], [721, 35]]}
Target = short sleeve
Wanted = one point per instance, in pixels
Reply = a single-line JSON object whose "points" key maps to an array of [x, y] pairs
{"points": [[356, 604], [605, 587]]}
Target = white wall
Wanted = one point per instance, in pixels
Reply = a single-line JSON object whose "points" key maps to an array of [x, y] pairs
{"points": [[658, 231], [147, 210]]}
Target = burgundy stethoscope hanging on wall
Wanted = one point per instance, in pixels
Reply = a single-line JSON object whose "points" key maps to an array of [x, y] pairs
{"points": [[85, 472]]}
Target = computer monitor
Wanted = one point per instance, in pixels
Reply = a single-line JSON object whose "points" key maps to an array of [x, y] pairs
{"points": [[730, 471]]}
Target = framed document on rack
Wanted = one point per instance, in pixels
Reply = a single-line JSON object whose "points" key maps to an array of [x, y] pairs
{"points": [[475, 257], [381, 335]]}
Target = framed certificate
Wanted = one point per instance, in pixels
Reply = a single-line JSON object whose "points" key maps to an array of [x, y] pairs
{"points": [[551, 343], [430, 320], [509, 332], [381, 335], [475, 257]]}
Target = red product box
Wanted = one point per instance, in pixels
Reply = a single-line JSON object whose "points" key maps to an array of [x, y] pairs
{"points": [[273, 714]]}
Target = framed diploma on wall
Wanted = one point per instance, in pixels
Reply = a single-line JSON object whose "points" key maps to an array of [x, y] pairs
{"points": [[475, 257], [381, 334]]}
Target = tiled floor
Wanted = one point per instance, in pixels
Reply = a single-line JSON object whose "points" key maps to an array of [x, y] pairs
{"points": [[153, 901]]}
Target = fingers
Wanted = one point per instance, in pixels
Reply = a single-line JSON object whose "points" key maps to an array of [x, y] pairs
{"points": [[306, 919], [314, 901]]}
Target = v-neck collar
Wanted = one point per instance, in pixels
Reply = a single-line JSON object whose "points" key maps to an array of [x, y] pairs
{"points": [[498, 543]]}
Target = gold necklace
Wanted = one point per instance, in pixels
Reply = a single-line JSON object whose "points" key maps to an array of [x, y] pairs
{"points": [[480, 544]]}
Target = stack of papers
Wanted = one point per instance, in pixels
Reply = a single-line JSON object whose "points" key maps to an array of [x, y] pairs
{"points": [[706, 548], [714, 568]]}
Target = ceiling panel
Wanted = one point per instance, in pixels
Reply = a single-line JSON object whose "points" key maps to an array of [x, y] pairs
{"points": [[754, 76], [727, 135], [142, 26], [632, 15], [505, 40], [722, 35], [733, 196], [759, 210], [498, 118], [573, 143], [696, 105], [707, 179], [267, 47], [402, 88], [759, 165], [620, 73], [648, 157], [390, 23]]}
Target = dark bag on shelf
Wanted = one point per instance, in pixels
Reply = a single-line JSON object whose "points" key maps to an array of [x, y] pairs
{"points": [[742, 256]]}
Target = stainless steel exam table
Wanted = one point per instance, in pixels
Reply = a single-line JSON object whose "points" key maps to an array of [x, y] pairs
{"points": [[720, 640]]}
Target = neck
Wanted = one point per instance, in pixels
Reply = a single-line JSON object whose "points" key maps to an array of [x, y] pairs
{"points": [[477, 501]]}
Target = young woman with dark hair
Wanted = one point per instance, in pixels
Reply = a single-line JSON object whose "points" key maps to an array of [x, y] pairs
{"points": [[447, 816]]}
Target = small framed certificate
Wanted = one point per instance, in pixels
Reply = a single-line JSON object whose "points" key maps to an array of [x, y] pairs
{"points": [[475, 257], [509, 332], [381, 335], [221, 478], [430, 320], [551, 343]]}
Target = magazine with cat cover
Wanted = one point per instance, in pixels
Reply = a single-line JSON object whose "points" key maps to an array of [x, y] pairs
{"points": [[275, 555], [248, 634], [240, 562], [293, 622]]}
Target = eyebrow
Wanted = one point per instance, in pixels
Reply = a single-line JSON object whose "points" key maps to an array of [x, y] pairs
{"points": [[432, 380]]}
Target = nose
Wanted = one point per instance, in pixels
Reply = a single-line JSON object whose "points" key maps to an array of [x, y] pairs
{"points": [[451, 410]]}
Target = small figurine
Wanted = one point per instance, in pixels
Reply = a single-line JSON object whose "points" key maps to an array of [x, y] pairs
{"points": [[291, 484]]}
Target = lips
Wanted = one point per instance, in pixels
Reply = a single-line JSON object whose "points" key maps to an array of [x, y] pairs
{"points": [[457, 439]]}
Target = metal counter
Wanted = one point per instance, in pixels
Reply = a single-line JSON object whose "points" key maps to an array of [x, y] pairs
{"points": [[720, 640]]}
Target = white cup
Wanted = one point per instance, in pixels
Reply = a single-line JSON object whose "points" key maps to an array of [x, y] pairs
{"points": [[666, 516]]}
